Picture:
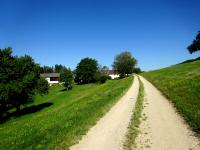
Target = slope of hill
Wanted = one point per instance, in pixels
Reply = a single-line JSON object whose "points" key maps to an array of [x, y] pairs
{"points": [[181, 84], [67, 116]]}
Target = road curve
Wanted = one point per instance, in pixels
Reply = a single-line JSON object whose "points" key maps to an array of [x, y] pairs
{"points": [[109, 132]]}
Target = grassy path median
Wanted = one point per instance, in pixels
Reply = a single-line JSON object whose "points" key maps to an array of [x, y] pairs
{"points": [[133, 129]]}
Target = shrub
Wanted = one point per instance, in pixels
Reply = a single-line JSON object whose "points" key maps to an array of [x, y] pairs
{"points": [[103, 78], [67, 78]]}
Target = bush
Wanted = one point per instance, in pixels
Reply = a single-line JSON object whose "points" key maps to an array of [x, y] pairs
{"points": [[43, 86], [100, 77], [109, 77], [67, 78], [103, 78]]}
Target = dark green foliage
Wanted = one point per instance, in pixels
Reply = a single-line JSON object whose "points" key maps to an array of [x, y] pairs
{"points": [[121, 76], [190, 60], [19, 78], [108, 77], [137, 70], [46, 69], [195, 46], [181, 84], [56, 69], [43, 86], [67, 77], [97, 76], [124, 63], [103, 78], [102, 74], [59, 68], [86, 70]]}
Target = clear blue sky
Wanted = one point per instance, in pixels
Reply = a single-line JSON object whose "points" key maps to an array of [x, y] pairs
{"points": [[157, 32]]}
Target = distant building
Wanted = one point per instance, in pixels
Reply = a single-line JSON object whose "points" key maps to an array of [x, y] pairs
{"points": [[112, 73], [52, 78]]}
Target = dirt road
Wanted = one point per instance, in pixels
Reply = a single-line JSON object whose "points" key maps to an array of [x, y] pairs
{"points": [[109, 132], [162, 128]]}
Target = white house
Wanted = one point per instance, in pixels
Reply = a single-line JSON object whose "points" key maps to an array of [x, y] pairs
{"points": [[113, 74], [52, 78]]}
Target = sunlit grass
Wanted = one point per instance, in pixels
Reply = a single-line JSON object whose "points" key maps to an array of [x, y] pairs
{"points": [[63, 123], [181, 84]]}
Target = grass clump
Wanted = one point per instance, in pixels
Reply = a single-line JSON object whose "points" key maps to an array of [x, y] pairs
{"points": [[133, 129], [181, 84], [61, 124]]}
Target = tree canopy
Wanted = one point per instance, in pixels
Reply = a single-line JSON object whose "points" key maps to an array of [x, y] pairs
{"points": [[195, 46], [67, 77], [46, 69], [59, 68], [124, 63], [86, 70], [20, 79]]}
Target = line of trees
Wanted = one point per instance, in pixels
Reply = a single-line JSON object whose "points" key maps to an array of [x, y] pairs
{"points": [[20, 77], [58, 68]]}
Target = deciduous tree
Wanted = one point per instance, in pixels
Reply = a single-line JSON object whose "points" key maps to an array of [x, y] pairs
{"points": [[195, 46], [86, 70], [67, 77], [19, 79], [124, 63]]}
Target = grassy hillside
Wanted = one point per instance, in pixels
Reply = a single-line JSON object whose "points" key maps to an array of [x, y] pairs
{"points": [[181, 84], [59, 119]]}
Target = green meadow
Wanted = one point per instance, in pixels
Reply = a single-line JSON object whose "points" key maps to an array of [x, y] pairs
{"points": [[59, 119], [181, 84]]}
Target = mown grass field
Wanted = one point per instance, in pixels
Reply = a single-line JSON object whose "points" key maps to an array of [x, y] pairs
{"points": [[181, 84], [61, 124]]}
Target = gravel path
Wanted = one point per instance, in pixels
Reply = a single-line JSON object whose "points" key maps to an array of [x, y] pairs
{"points": [[109, 132], [162, 128]]}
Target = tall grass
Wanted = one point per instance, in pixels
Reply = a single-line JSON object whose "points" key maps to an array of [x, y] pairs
{"points": [[181, 84], [62, 124]]}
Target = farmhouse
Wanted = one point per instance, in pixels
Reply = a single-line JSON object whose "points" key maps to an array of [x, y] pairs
{"points": [[112, 73], [52, 78]]}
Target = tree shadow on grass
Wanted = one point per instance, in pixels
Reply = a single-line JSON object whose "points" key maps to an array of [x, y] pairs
{"points": [[24, 111], [66, 89], [62, 90]]}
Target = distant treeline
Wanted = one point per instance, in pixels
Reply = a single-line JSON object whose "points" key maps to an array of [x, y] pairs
{"points": [[58, 68]]}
